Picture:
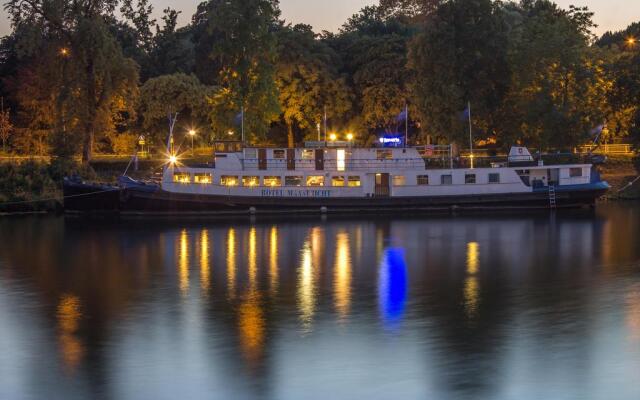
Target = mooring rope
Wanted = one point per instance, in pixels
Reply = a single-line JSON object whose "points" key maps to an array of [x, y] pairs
{"points": [[628, 185], [57, 198]]}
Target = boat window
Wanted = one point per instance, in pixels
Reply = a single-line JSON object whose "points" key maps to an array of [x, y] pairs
{"points": [[354, 181], [202, 178], [337, 181], [181, 177], [384, 154], [423, 179], [315, 180], [228, 180], [575, 172], [494, 178], [307, 154], [446, 180], [293, 181], [470, 178], [251, 154], [250, 180], [278, 154], [398, 180], [272, 181]]}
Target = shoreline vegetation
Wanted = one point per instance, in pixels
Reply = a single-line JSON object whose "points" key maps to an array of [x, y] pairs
{"points": [[35, 186]]}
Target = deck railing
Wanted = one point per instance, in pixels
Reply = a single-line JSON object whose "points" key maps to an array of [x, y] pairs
{"points": [[411, 163]]}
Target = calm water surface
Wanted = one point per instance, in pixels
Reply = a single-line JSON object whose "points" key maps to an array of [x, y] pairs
{"points": [[477, 307]]}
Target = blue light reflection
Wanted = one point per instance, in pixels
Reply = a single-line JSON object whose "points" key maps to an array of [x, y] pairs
{"points": [[392, 288]]}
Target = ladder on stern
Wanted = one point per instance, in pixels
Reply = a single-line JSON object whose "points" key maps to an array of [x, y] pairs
{"points": [[552, 196]]}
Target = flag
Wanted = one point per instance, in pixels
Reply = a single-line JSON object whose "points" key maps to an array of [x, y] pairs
{"points": [[597, 130], [403, 115], [238, 118], [464, 115]]}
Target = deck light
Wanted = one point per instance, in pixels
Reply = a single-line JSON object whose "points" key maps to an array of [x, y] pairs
{"points": [[349, 136], [333, 137], [173, 159]]}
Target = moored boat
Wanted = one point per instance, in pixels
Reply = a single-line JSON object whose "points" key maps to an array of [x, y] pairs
{"points": [[336, 177]]}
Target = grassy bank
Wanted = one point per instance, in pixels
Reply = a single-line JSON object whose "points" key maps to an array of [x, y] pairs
{"points": [[619, 172]]}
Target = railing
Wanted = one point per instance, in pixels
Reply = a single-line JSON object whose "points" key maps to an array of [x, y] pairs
{"points": [[413, 163], [623, 149]]}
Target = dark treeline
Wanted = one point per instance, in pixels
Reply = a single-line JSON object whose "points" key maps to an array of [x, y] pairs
{"points": [[88, 76]]}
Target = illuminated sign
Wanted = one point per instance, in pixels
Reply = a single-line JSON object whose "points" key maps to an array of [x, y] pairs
{"points": [[390, 140]]}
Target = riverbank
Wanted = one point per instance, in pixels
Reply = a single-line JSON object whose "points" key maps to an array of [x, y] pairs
{"points": [[619, 172]]}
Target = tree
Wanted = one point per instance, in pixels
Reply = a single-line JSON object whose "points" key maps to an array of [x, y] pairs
{"points": [[245, 52], [176, 93], [558, 85], [5, 126], [308, 81], [460, 57], [374, 46], [95, 73]]}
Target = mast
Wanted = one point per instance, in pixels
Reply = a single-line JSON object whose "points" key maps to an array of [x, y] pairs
{"points": [[470, 135]]}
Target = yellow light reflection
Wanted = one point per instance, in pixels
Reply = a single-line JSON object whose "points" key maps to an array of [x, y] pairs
{"points": [[205, 269], [633, 313], [68, 315], [473, 253], [231, 262], [273, 260], [252, 327], [183, 265], [342, 275], [471, 284], [306, 289], [253, 262]]}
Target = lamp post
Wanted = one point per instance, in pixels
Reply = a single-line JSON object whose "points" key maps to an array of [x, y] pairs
{"points": [[192, 133]]}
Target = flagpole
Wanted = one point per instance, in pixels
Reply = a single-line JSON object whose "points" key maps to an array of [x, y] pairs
{"points": [[406, 124], [325, 124], [470, 136], [242, 122]]}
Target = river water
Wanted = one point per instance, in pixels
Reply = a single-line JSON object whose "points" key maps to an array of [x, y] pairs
{"points": [[533, 306]]}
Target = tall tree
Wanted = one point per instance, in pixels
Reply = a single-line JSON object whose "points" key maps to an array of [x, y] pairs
{"points": [[558, 85], [176, 93], [94, 71], [308, 81], [460, 57], [246, 53]]}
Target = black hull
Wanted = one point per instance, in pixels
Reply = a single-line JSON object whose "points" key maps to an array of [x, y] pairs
{"points": [[135, 201]]}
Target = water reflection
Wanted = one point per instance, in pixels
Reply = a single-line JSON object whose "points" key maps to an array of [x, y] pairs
{"points": [[342, 275], [392, 287], [273, 260], [231, 263], [471, 284], [447, 308], [205, 268], [183, 264], [306, 290], [69, 315]]}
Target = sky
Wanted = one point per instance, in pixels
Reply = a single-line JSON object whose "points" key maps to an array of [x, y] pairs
{"points": [[331, 14]]}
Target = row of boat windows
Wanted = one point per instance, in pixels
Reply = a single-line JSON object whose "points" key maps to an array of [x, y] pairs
{"points": [[251, 181], [314, 180], [309, 154]]}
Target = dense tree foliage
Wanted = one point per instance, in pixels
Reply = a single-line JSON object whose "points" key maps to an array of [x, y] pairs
{"points": [[85, 76]]}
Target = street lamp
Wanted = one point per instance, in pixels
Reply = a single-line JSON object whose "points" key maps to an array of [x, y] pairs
{"points": [[230, 133], [64, 51], [631, 41], [192, 133], [333, 137]]}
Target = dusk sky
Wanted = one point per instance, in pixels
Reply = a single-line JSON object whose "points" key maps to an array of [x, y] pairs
{"points": [[331, 14]]}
